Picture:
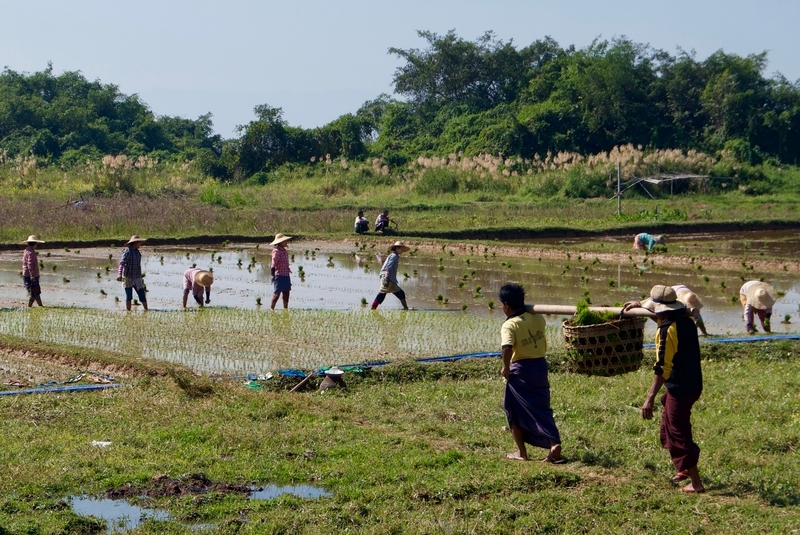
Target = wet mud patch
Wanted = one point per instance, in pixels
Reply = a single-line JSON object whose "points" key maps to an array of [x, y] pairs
{"points": [[163, 486]]}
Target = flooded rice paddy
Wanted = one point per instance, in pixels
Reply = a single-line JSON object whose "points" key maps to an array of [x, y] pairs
{"points": [[327, 323]]}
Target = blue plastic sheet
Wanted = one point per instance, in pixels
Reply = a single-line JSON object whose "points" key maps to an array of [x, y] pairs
{"points": [[57, 389]]}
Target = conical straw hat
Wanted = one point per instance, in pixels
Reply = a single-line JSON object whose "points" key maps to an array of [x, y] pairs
{"points": [[33, 238]]}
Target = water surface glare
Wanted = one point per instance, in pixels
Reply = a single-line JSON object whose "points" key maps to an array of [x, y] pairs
{"points": [[271, 492], [120, 516], [327, 323]]}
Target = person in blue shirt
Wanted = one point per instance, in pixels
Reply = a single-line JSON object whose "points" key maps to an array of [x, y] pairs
{"points": [[646, 242]]}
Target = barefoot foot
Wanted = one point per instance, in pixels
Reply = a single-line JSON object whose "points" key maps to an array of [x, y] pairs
{"points": [[516, 457], [693, 488], [554, 456]]}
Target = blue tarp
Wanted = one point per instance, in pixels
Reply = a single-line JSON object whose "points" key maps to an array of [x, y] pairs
{"points": [[72, 388], [763, 338]]}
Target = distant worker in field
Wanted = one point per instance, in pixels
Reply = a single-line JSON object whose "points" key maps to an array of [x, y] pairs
{"points": [[389, 283], [693, 304], [383, 221], [361, 224], [678, 368], [130, 271], [527, 396], [646, 242], [196, 282], [30, 270], [757, 299], [280, 271]]}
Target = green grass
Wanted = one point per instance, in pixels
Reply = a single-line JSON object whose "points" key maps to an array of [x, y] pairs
{"points": [[417, 449], [175, 202]]}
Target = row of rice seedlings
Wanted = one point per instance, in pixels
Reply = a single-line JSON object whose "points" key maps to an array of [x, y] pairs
{"points": [[234, 341]]}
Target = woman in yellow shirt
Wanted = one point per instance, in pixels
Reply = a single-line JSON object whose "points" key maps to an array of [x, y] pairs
{"points": [[527, 396]]}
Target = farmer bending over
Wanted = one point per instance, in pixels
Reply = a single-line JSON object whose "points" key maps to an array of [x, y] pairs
{"points": [[757, 299], [195, 282], [646, 242], [693, 305]]}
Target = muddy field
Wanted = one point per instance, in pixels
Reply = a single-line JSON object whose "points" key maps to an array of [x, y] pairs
{"points": [[447, 280]]}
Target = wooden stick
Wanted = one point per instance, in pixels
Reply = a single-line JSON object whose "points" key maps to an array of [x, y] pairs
{"points": [[302, 383], [568, 310]]}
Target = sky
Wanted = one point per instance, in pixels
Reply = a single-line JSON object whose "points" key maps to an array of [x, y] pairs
{"points": [[318, 59]]}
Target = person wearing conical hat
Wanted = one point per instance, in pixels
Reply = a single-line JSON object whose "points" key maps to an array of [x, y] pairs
{"points": [[30, 270], [757, 299], [693, 305], [677, 368], [389, 276], [130, 272], [196, 281], [280, 271]]}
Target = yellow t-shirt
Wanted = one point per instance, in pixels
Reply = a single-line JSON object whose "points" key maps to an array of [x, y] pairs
{"points": [[525, 334]]}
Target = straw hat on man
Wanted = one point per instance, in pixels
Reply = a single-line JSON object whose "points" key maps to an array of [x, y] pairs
{"points": [[280, 271], [130, 272], [678, 369], [30, 270], [196, 282], [389, 283], [32, 239], [757, 298], [693, 304]]}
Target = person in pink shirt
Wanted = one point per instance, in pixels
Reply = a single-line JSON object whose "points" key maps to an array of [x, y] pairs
{"points": [[279, 269], [196, 282], [30, 270]]}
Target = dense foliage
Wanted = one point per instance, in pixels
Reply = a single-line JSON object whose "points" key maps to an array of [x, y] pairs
{"points": [[490, 97], [464, 98], [68, 119]]}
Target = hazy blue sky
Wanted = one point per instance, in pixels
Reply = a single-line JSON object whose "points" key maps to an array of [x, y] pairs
{"points": [[320, 59]]}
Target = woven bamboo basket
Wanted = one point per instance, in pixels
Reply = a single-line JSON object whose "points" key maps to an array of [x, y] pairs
{"points": [[606, 349]]}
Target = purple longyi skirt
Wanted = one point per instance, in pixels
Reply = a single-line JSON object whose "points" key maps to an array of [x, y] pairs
{"points": [[527, 403]]}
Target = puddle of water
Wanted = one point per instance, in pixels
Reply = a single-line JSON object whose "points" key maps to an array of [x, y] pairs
{"points": [[120, 516], [271, 492]]}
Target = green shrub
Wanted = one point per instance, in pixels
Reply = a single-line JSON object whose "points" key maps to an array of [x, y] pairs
{"points": [[584, 184], [437, 181]]}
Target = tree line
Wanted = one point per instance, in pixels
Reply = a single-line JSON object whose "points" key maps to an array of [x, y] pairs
{"points": [[456, 96]]}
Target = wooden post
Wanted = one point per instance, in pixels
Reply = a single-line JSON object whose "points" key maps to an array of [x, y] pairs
{"points": [[619, 189]]}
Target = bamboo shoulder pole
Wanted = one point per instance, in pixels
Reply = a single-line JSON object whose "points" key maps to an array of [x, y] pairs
{"points": [[568, 310]]}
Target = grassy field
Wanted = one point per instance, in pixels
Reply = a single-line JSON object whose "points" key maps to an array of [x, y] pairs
{"points": [[176, 202], [414, 449]]}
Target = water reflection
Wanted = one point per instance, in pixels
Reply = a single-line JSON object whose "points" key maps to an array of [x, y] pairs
{"points": [[339, 281], [120, 516]]}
